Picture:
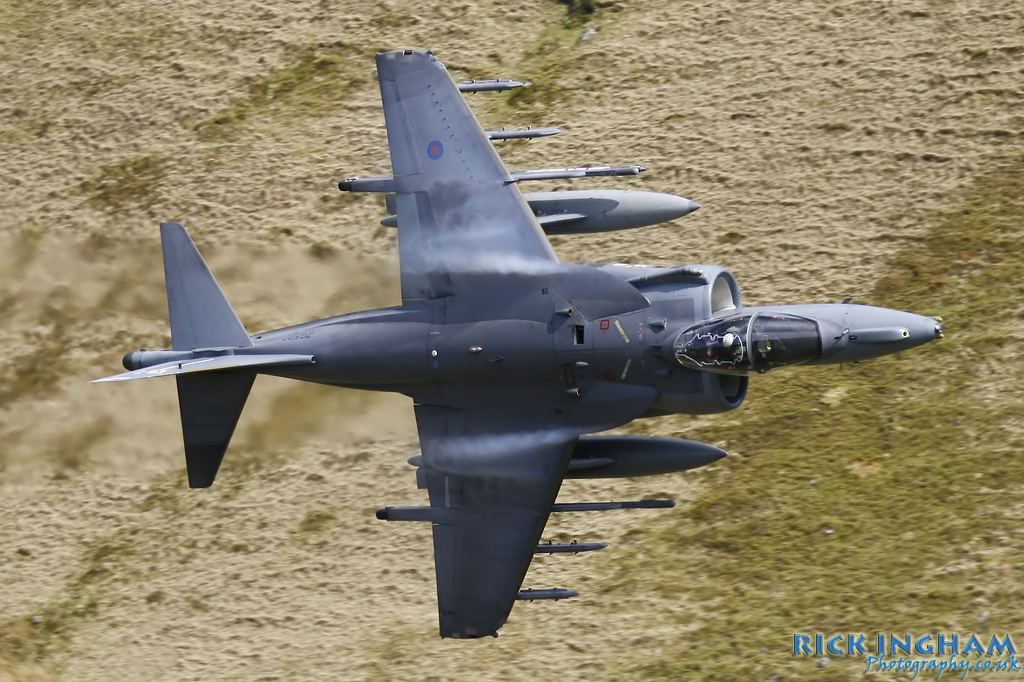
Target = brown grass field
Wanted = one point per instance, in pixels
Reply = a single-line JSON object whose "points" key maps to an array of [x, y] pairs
{"points": [[847, 148]]}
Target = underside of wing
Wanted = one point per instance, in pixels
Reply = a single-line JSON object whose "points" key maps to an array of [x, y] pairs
{"points": [[457, 206], [492, 467], [496, 491]]}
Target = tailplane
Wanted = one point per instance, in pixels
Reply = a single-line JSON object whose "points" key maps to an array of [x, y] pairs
{"points": [[211, 358], [201, 317]]}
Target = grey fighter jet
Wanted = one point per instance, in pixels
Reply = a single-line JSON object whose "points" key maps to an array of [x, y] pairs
{"points": [[512, 358]]}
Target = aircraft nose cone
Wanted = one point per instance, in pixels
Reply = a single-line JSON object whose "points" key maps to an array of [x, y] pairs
{"points": [[662, 208], [874, 332], [921, 329], [860, 332]]}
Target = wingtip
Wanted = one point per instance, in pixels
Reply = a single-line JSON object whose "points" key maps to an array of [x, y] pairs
{"points": [[110, 379]]}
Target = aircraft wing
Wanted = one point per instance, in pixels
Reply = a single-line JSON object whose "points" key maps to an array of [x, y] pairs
{"points": [[458, 207], [492, 474], [496, 491]]}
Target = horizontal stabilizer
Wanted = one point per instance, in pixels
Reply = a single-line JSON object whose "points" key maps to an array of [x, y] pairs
{"points": [[209, 364]]}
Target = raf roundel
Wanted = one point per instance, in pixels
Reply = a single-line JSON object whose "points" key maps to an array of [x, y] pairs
{"points": [[435, 150]]}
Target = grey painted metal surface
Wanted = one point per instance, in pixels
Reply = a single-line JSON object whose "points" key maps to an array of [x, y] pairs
{"points": [[510, 357], [600, 210], [627, 456], [579, 211]]}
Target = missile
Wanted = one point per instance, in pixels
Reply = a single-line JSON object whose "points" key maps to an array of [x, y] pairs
{"points": [[555, 593], [605, 506], [492, 85], [574, 547], [526, 133], [575, 172]]}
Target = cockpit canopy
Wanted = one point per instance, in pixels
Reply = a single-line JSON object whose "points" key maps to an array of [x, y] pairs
{"points": [[755, 342]]}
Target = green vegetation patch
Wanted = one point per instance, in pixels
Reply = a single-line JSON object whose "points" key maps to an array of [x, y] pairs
{"points": [[549, 66], [872, 498], [560, 62], [578, 12], [315, 80], [133, 182], [317, 521], [29, 644]]}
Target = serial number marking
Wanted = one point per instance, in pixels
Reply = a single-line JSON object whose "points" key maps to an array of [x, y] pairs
{"points": [[296, 337]]}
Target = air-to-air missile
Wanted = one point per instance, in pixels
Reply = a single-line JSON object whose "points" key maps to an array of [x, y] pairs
{"points": [[573, 547], [577, 172], [492, 85], [554, 593], [527, 133]]}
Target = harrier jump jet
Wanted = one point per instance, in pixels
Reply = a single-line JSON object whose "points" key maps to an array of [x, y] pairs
{"points": [[512, 359]]}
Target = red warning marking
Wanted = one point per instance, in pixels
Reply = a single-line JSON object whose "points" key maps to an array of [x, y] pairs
{"points": [[605, 325]]}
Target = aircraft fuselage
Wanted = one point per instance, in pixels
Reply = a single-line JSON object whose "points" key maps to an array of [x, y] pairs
{"points": [[547, 342]]}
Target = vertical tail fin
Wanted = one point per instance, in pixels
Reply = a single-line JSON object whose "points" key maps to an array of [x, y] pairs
{"points": [[201, 317]]}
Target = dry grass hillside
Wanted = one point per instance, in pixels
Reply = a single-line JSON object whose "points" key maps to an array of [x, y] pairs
{"points": [[869, 149]]}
